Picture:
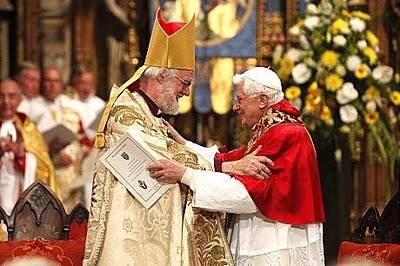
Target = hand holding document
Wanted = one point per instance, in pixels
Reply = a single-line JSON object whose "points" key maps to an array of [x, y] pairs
{"points": [[127, 160]]}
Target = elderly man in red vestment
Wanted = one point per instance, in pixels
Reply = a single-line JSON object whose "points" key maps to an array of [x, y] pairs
{"points": [[279, 219]]}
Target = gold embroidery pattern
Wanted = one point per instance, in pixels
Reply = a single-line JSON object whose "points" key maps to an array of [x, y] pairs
{"points": [[122, 114], [182, 155], [99, 208], [154, 221], [272, 118], [127, 116], [207, 238], [127, 225]]}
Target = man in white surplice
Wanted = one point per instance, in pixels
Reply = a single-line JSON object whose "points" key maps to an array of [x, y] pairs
{"points": [[17, 167], [280, 218], [90, 107], [86, 103], [28, 78], [67, 157]]}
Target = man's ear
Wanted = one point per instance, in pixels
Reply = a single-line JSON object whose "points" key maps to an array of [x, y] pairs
{"points": [[163, 74], [263, 101]]}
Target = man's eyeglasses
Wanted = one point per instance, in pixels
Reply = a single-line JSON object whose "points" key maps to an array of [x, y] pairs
{"points": [[187, 83]]}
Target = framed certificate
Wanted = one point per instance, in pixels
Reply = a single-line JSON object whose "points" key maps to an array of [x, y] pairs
{"points": [[127, 160]]}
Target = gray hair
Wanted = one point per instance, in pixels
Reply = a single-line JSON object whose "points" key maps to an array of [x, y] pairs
{"points": [[152, 71], [253, 88], [26, 65], [79, 70], [13, 82]]}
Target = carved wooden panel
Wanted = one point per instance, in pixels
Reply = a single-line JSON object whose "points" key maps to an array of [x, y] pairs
{"points": [[393, 25], [378, 11], [83, 21], [28, 18], [37, 214], [384, 228], [78, 214]]}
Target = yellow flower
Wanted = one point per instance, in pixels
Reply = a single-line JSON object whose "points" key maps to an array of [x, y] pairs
{"points": [[345, 13], [313, 100], [329, 59], [395, 97], [362, 71], [292, 92], [370, 53], [285, 68], [333, 82], [371, 117], [313, 89], [372, 39], [340, 26], [370, 94], [361, 15], [326, 115], [345, 129]]}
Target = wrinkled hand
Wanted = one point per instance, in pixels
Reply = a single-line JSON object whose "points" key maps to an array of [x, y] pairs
{"points": [[175, 135], [250, 165], [166, 171]]}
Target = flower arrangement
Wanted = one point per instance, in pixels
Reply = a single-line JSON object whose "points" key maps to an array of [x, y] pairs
{"points": [[332, 74]]}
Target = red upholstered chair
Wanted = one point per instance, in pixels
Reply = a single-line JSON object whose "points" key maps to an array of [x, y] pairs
{"points": [[77, 221], [64, 252], [383, 243], [39, 226]]}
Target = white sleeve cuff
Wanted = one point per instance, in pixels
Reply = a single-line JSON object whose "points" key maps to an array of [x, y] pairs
{"points": [[218, 192], [207, 152], [189, 178]]}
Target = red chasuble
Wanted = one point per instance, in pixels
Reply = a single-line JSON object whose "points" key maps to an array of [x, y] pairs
{"points": [[292, 194]]}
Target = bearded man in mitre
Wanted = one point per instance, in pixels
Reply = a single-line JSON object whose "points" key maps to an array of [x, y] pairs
{"points": [[23, 152], [171, 232]]}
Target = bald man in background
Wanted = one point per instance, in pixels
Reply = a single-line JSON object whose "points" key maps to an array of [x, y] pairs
{"points": [[23, 153]]}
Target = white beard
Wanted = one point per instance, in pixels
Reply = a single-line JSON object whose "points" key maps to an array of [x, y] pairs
{"points": [[169, 104]]}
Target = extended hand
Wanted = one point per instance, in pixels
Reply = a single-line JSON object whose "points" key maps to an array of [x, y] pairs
{"points": [[175, 135], [166, 171], [250, 165], [15, 147]]}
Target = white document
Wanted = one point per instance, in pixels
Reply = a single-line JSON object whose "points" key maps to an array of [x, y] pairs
{"points": [[127, 160]]}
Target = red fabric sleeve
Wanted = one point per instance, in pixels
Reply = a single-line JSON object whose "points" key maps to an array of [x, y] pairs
{"points": [[221, 157], [232, 155], [292, 194]]}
